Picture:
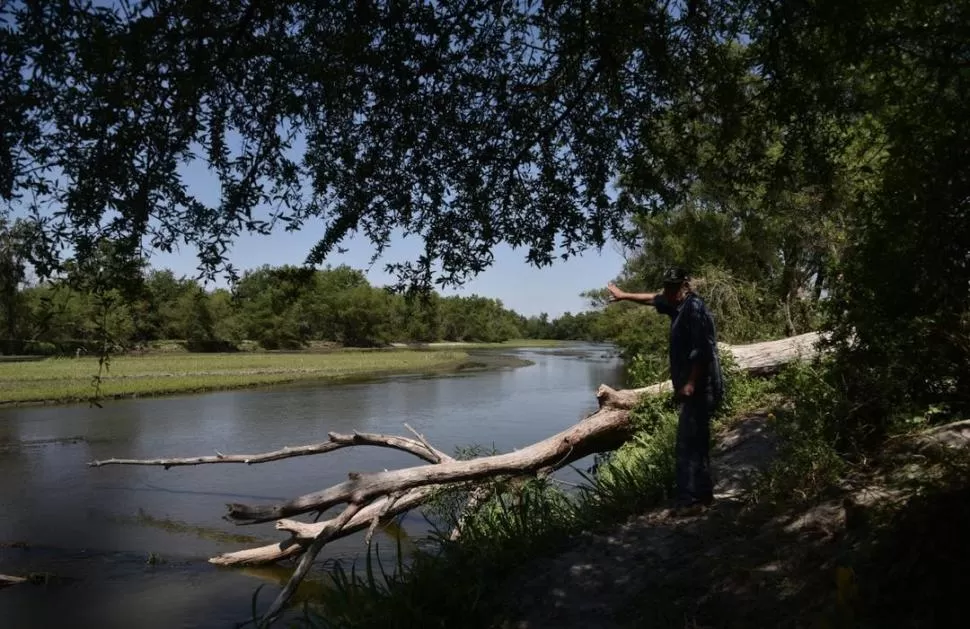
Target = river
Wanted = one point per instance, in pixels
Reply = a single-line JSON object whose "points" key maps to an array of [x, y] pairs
{"points": [[129, 544]]}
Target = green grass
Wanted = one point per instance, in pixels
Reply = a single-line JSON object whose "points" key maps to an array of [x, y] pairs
{"points": [[70, 379]]}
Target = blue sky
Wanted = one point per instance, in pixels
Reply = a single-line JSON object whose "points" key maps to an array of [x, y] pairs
{"points": [[526, 289]]}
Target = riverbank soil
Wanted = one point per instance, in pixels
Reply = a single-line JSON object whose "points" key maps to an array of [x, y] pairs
{"points": [[882, 549]]}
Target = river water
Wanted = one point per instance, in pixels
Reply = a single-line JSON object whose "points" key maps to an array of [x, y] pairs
{"points": [[129, 544]]}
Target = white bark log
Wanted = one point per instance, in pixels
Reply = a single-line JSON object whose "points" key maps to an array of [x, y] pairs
{"points": [[769, 357], [758, 359], [302, 533], [6, 579]]}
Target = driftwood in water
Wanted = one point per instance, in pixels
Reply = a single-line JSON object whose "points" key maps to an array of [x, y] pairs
{"points": [[366, 500], [303, 533], [6, 579]]}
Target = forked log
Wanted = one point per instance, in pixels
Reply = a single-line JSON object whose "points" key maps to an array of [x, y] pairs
{"points": [[372, 498], [605, 430], [302, 533]]}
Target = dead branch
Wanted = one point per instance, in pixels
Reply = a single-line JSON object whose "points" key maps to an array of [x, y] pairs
{"points": [[336, 442], [6, 579], [302, 533], [388, 505], [442, 457], [304, 566]]}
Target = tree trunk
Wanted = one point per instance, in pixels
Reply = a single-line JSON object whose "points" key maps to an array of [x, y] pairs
{"points": [[759, 359]]}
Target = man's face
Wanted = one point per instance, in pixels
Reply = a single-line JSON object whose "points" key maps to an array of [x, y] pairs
{"points": [[675, 293]]}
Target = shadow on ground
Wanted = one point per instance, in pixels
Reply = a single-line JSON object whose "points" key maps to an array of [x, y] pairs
{"points": [[746, 566]]}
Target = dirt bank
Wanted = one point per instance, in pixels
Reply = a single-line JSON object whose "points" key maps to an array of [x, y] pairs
{"points": [[739, 564]]}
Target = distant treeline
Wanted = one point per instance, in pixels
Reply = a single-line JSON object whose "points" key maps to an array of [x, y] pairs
{"points": [[277, 307]]}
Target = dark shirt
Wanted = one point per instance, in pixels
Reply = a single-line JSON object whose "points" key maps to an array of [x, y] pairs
{"points": [[693, 337]]}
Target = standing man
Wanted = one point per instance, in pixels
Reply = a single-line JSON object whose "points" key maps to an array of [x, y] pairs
{"points": [[695, 370]]}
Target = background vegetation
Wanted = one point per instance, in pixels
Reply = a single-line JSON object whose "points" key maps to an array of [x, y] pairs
{"points": [[285, 307]]}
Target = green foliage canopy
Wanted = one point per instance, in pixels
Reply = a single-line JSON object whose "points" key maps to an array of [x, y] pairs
{"points": [[824, 140]]}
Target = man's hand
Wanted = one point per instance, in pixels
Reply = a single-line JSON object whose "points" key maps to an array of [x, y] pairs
{"points": [[621, 295], [615, 293], [687, 390]]}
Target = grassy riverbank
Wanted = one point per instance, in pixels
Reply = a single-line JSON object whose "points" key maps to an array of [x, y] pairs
{"points": [[56, 380], [179, 346]]}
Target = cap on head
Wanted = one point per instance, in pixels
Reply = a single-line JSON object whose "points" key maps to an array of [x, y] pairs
{"points": [[675, 276]]}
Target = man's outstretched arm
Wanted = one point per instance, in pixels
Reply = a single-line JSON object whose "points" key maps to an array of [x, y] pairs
{"points": [[640, 298]]}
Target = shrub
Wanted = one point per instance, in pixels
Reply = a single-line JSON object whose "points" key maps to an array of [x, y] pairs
{"points": [[810, 430]]}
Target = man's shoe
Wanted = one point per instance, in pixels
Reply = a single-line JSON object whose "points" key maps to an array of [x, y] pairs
{"points": [[691, 508]]}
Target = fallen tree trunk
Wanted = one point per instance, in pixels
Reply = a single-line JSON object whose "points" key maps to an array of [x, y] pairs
{"points": [[303, 533], [370, 499], [757, 359], [6, 579], [605, 430]]}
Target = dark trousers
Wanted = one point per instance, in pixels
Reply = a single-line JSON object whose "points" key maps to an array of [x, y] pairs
{"points": [[693, 468]]}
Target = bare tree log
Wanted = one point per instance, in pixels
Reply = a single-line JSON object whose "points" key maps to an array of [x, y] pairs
{"points": [[767, 358], [758, 359], [337, 441], [626, 399], [605, 430], [302, 533], [6, 579]]}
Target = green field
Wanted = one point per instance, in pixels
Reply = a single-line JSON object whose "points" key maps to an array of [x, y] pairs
{"points": [[70, 379]]}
